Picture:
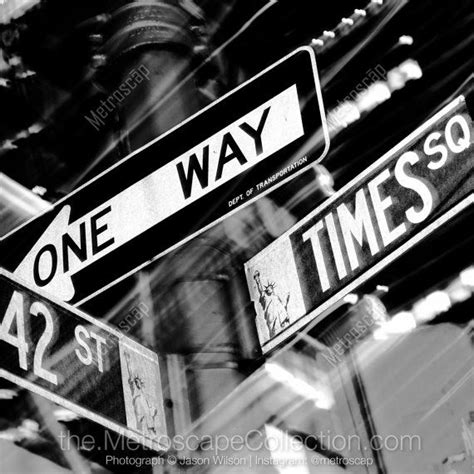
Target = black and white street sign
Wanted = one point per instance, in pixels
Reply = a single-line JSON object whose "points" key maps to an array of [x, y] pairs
{"points": [[80, 363], [407, 194], [234, 151]]}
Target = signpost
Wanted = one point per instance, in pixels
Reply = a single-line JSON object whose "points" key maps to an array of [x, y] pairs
{"points": [[80, 363], [407, 194], [234, 151]]}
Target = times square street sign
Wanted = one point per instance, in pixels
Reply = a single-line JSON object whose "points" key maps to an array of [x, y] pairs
{"points": [[80, 363], [236, 150], [418, 186]]}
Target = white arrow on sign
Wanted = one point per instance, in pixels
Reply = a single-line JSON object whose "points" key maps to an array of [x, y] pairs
{"points": [[66, 248]]}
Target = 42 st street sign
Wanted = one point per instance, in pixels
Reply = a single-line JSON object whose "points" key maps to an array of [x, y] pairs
{"points": [[80, 363], [234, 151], [407, 194]]}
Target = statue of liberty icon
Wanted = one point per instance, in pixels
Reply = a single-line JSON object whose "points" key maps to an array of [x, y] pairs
{"points": [[145, 413], [275, 310]]}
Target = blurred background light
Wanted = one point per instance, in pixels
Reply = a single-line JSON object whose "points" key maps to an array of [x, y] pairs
{"points": [[11, 9], [321, 399], [411, 69], [406, 40], [376, 94], [458, 292], [433, 304], [400, 323], [467, 277], [65, 415]]}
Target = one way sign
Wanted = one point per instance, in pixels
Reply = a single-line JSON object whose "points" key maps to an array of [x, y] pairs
{"points": [[234, 151]]}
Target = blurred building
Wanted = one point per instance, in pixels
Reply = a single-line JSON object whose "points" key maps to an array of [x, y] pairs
{"points": [[400, 396]]}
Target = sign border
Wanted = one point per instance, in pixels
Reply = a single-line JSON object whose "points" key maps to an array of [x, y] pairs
{"points": [[100, 419], [322, 112], [321, 311]]}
